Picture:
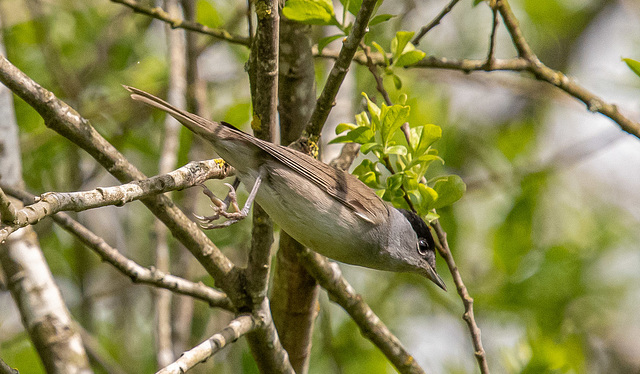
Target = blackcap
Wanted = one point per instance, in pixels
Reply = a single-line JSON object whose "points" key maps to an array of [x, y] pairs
{"points": [[325, 209]]}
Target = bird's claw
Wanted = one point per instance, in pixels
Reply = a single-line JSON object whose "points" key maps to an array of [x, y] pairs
{"points": [[220, 209]]}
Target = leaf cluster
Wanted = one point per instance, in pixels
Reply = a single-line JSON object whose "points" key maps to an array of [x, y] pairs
{"points": [[378, 130]]}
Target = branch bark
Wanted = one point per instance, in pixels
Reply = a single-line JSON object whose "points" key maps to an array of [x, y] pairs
{"points": [[294, 291], [238, 327]]}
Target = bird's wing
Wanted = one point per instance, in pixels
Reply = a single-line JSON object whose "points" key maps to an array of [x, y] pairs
{"points": [[342, 186]]}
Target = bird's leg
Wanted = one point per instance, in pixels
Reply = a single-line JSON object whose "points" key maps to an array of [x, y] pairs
{"points": [[220, 207]]}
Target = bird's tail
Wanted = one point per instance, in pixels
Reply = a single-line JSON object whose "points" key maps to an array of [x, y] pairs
{"points": [[194, 123]]}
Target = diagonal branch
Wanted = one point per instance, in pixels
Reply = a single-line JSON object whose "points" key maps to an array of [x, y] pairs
{"points": [[137, 273], [435, 22], [474, 330], [326, 101], [66, 121], [200, 353], [160, 14]]}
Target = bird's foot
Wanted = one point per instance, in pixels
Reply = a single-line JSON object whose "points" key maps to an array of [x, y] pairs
{"points": [[220, 209]]}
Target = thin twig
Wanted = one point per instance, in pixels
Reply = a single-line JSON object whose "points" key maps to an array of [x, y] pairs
{"points": [[520, 64], [238, 327], [6, 369], [435, 22], [160, 14], [492, 40], [373, 68], [474, 330]]}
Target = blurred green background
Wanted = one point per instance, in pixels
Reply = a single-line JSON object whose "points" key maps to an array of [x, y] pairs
{"points": [[546, 236]]}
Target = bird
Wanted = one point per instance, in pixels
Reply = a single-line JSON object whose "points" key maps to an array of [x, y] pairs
{"points": [[327, 210]]}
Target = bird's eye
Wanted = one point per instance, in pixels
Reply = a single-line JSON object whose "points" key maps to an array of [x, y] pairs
{"points": [[423, 247]]}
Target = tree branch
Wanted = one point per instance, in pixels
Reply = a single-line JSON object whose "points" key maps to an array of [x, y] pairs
{"points": [[435, 22], [160, 14], [66, 121], [518, 64], [128, 267], [200, 353], [326, 101], [195, 172], [445, 252]]}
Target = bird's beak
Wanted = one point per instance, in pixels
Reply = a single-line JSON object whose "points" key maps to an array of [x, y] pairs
{"points": [[430, 273]]}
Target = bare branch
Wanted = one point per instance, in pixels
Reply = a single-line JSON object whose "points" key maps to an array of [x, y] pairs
{"points": [[373, 68], [435, 22], [195, 172], [474, 330], [160, 14], [66, 121], [491, 55], [339, 70], [128, 267], [200, 353]]}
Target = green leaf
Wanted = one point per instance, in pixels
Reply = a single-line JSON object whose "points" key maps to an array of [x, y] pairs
{"points": [[396, 150], [352, 5], [409, 58], [382, 52], [362, 119], [450, 189], [476, 2], [393, 118], [399, 42], [368, 173], [345, 127], [428, 197], [312, 12], [208, 15], [633, 65], [369, 147], [424, 161], [373, 108], [402, 99], [422, 137], [397, 82], [359, 135], [394, 182], [380, 18], [326, 40]]}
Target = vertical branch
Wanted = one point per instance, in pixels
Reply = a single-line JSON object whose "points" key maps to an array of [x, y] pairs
{"points": [[167, 162], [263, 74], [491, 55], [264, 93], [294, 291]]}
